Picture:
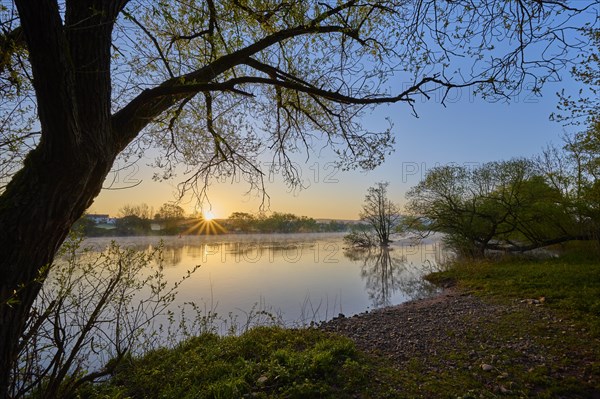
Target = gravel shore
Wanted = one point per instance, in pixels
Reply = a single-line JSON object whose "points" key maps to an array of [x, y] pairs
{"points": [[467, 326], [417, 328]]}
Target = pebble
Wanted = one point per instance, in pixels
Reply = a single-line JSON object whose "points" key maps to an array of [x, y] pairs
{"points": [[262, 379], [487, 367], [504, 390]]}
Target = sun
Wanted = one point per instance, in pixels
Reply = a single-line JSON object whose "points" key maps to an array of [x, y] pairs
{"points": [[207, 224], [208, 215]]}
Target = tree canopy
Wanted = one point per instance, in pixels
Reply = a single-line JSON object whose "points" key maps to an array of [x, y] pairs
{"points": [[509, 206], [188, 76]]}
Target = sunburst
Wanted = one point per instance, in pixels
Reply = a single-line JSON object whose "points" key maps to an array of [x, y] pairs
{"points": [[207, 225]]}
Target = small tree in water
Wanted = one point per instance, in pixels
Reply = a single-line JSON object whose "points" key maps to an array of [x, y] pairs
{"points": [[380, 213]]}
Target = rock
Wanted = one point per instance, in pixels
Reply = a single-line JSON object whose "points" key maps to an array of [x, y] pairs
{"points": [[262, 379], [532, 301], [504, 390], [487, 367]]}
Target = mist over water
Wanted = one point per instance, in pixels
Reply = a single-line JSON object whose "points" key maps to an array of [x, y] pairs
{"points": [[300, 277]]}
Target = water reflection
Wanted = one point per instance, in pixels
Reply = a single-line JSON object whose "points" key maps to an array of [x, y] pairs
{"points": [[173, 255], [387, 273], [287, 271]]}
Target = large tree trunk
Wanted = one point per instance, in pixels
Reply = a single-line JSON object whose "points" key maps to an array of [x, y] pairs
{"points": [[36, 213], [70, 62]]}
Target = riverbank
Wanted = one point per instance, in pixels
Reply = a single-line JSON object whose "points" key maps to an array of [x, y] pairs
{"points": [[515, 328], [512, 329], [457, 344]]}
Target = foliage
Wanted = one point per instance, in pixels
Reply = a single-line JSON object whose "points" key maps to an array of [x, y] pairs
{"points": [[132, 225], [278, 222], [252, 52], [519, 204], [241, 221], [575, 170], [264, 363], [284, 223], [93, 310], [171, 215], [508, 206], [170, 211], [584, 109], [334, 226], [87, 227], [238, 222], [379, 212], [141, 211]]}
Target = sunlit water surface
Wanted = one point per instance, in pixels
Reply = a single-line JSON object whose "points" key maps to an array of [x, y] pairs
{"points": [[300, 277]]}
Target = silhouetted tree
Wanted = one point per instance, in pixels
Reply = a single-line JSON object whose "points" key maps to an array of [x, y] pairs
{"points": [[172, 216], [170, 212], [241, 221], [142, 211], [380, 212]]}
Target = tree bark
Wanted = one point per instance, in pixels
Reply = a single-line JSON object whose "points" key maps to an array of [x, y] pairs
{"points": [[39, 206], [62, 176]]}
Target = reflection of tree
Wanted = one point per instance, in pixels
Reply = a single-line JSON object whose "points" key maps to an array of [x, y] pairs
{"points": [[387, 273], [173, 255]]}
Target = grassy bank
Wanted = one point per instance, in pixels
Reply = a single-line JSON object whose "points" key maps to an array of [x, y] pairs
{"points": [[569, 284], [543, 343], [546, 345], [262, 363]]}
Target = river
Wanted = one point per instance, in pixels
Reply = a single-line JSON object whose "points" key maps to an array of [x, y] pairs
{"points": [[300, 277]]}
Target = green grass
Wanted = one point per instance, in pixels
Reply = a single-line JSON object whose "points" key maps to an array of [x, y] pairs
{"points": [[262, 363], [570, 284]]}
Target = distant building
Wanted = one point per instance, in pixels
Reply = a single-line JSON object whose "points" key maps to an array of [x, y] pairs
{"points": [[155, 226], [102, 221], [98, 218]]}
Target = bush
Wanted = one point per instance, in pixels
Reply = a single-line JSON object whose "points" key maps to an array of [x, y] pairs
{"points": [[93, 310], [264, 362]]}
